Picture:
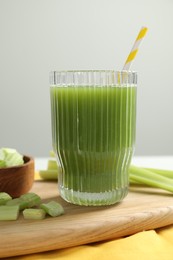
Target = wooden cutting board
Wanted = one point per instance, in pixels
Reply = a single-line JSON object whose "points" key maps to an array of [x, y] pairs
{"points": [[143, 209]]}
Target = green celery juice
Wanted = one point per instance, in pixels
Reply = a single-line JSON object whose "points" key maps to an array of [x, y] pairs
{"points": [[93, 132]]}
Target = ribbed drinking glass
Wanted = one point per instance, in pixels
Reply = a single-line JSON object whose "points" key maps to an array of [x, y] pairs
{"points": [[93, 116]]}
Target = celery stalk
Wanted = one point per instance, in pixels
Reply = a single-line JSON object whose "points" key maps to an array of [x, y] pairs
{"points": [[48, 174], [51, 173], [145, 176], [52, 154], [52, 208], [35, 214], [9, 212], [31, 199], [52, 165], [2, 164], [10, 157], [165, 173], [17, 201], [4, 197]]}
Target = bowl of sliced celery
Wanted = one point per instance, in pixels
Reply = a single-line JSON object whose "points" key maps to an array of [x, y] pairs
{"points": [[16, 172]]}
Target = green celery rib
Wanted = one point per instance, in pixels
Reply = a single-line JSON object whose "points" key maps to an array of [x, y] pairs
{"points": [[165, 173], [48, 174], [9, 212], [4, 198], [52, 165], [31, 199], [18, 202], [52, 154], [34, 214], [145, 176], [52, 208]]}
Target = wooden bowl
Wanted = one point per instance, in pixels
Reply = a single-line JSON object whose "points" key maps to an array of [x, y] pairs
{"points": [[17, 180]]}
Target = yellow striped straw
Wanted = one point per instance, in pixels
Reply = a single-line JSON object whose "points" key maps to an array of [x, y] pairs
{"points": [[135, 47]]}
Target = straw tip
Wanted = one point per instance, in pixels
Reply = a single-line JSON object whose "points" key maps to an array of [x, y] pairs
{"points": [[145, 28]]}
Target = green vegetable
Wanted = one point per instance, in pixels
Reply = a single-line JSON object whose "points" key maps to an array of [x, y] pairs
{"points": [[51, 173], [53, 169], [18, 201], [31, 199], [53, 208], [10, 157], [9, 212], [52, 154], [4, 198], [9, 208], [34, 214], [52, 165], [2, 163], [148, 177], [48, 174], [165, 173]]}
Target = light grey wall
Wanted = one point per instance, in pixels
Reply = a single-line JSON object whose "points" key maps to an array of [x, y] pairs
{"points": [[37, 36]]}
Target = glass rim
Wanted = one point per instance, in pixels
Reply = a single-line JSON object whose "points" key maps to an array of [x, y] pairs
{"points": [[92, 77]]}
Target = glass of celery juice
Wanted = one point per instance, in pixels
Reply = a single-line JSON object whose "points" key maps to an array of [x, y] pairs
{"points": [[93, 116]]}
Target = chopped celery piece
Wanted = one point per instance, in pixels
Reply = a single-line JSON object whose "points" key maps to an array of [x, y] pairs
{"points": [[10, 157], [2, 164], [145, 176], [48, 174], [52, 208], [18, 201], [9, 212], [2, 155], [52, 165], [4, 197], [34, 214], [31, 198], [52, 154], [51, 173]]}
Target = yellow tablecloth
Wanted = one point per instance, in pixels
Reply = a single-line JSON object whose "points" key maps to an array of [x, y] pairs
{"points": [[146, 245]]}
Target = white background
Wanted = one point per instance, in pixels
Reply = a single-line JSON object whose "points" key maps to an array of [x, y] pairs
{"points": [[37, 36]]}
